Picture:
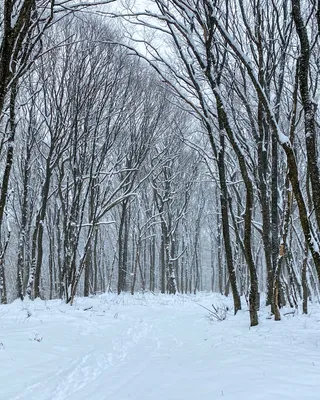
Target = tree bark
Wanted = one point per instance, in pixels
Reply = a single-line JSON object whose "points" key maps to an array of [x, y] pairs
{"points": [[225, 223]]}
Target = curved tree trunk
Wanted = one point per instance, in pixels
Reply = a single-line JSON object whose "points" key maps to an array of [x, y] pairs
{"points": [[254, 290]]}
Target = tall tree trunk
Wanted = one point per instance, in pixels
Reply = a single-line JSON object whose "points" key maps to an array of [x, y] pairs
{"points": [[309, 107], [39, 229], [10, 150], [123, 236], [87, 271], [225, 224], [3, 285], [305, 291], [162, 259], [152, 255], [24, 217]]}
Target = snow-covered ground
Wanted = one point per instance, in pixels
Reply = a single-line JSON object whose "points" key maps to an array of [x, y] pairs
{"points": [[150, 347]]}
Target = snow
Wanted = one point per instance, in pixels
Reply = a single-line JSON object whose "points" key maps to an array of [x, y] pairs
{"points": [[155, 347], [314, 244]]}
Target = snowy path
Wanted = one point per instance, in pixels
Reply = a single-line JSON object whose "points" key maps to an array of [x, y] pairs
{"points": [[154, 347]]}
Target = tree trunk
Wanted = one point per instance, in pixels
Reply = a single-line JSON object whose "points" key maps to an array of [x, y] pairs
{"points": [[254, 299], [40, 228], [309, 108], [225, 224], [123, 248], [152, 263], [305, 291]]}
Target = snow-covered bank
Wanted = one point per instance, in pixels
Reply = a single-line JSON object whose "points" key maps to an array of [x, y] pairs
{"points": [[154, 347]]}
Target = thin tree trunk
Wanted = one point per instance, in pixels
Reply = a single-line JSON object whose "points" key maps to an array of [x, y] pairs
{"points": [[152, 263], [22, 233], [305, 291]]}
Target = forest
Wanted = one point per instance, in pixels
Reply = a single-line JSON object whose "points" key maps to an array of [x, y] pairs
{"points": [[170, 147]]}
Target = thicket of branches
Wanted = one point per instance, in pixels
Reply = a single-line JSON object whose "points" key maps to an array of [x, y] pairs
{"points": [[192, 165]]}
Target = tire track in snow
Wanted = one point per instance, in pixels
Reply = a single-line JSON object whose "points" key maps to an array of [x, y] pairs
{"points": [[88, 367], [93, 365]]}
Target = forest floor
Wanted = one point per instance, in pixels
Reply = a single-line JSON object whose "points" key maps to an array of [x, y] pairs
{"points": [[155, 347]]}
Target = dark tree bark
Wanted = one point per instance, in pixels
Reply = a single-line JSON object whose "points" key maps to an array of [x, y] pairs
{"points": [[254, 298], [305, 290], [225, 223], [123, 236], [309, 107]]}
